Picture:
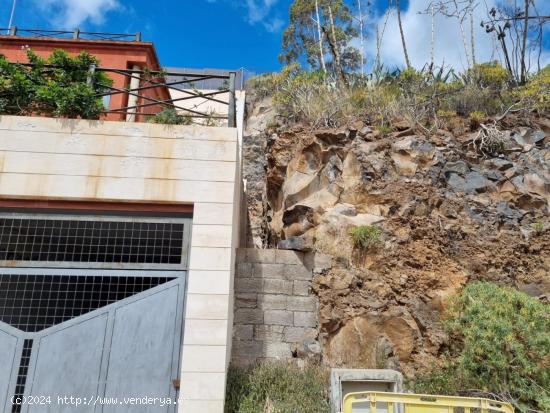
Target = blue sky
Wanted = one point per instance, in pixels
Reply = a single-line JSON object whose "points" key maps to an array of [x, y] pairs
{"points": [[244, 33], [188, 33]]}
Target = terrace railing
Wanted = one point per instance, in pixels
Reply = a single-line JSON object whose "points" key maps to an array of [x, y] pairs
{"points": [[148, 93], [74, 34], [147, 87]]}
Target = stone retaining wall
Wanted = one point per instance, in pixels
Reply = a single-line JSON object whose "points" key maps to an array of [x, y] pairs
{"points": [[276, 314]]}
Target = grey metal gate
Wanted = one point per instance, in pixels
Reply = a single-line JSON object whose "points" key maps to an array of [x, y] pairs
{"points": [[91, 312]]}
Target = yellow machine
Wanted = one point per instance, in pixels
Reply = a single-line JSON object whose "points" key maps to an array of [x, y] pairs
{"points": [[378, 402]]}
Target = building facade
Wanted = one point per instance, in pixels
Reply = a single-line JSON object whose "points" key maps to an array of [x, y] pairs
{"points": [[117, 250]]}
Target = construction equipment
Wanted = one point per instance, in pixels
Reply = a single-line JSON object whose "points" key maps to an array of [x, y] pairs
{"points": [[381, 402]]}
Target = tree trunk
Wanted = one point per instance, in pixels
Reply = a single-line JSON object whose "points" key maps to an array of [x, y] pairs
{"points": [[524, 43], [362, 39], [462, 33], [472, 38], [335, 49], [502, 38], [379, 37], [321, 48], [432, 51], [407, 61]]}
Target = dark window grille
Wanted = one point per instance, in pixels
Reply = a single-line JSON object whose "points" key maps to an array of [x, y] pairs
{"points": [[17, 401], [34, 302], [91, 241]]}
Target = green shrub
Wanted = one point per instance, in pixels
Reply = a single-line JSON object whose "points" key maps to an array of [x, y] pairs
{"points": [[538, 227], [310, 97], [264, 85], [483, 88], [489, 76], [169, 116], [383, 128], [472, 98], [364, 236], [476, 119], [442, 113], [383, 104], [286, 387], [57, 86], [500, 345], [535, 95]]}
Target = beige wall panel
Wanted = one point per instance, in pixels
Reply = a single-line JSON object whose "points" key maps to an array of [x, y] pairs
{"points": [[202, 386], [208, 282], [46, 159], [213, 214], [117, 167], [206, 307], [212, 236], [45, 142], [112, 189], [205, 332], [205, 258], [204, 359], [72, 126]]}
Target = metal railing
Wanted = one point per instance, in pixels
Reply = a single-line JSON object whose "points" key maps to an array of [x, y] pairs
{"points": [[145, 99], [380, 402], [74, 34], [151, 84]]}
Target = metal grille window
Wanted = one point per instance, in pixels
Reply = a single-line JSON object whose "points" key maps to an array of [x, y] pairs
{"points": [[33, 302], [90, 241]]}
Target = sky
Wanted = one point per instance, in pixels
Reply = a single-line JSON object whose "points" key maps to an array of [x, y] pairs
{"points": [[233, 34]]}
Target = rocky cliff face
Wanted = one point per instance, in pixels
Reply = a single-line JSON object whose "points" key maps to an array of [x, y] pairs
{"points": [[452, 206]]}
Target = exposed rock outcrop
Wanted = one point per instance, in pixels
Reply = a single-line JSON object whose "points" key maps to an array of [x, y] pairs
{"points": [[448, 215]]}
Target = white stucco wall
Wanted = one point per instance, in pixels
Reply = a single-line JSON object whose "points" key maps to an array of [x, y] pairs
{"points": [[76, 160]]}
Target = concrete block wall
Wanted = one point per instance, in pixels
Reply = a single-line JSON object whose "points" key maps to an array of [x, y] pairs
{"points": [[274, 308]]}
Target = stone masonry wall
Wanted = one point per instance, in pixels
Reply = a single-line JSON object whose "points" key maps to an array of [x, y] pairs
{"points": [[276, 313]]}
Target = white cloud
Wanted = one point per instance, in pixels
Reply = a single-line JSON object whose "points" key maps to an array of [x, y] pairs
{"points": [[70, 14], [258, 12], [449, 47], [258, 9]]}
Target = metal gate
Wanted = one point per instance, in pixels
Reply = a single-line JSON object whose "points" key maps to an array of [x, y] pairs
{"points": [[91, 312]]}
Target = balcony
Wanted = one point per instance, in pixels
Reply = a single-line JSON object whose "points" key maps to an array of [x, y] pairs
{"points": [[128, 80]]}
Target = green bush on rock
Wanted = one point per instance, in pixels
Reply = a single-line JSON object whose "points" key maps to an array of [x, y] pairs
{"points": [[364, 236], [500, 345]]}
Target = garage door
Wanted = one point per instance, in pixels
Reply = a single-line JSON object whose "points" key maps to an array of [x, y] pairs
{"points": [[91, 312]]}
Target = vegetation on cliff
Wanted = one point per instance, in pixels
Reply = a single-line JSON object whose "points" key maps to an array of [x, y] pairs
{"points": [[499, 346], [429, 100]]}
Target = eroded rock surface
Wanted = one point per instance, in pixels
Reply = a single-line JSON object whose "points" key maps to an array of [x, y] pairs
{"points": [[448, 215]]}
